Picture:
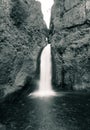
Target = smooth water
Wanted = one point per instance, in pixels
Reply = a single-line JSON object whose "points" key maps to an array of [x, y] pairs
{"points": [[45, 85], [68, 111], [45, 70]]}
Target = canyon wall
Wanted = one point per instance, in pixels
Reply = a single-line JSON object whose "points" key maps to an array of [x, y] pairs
{"points": [[22, 36], [70, 40]]}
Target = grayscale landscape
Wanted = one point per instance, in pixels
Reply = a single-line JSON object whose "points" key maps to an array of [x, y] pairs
{"points": [[44, 64]]}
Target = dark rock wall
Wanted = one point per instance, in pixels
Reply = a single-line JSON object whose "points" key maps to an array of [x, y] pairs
{"points": [[70, 39], [22, 36]]}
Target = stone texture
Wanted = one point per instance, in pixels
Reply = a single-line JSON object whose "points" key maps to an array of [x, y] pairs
{"points": [[74, 16], [88, 9], [22, 36], [56, 15], [71, 3], [2, 127], [77, 14], [71, 45]]}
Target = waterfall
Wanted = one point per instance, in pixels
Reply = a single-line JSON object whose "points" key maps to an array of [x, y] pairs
{"points": [[45, 85], [45, 70]]}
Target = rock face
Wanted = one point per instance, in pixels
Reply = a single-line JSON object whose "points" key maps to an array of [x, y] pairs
{"points": [[2, 127], [70, 39], [22, 36]]}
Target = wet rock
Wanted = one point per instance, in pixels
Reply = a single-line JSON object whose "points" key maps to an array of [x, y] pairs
{"points": [[88, 9], [24, 74], [2, 127], [22, 36], [70, 44], [74, 16], [70, 4]]}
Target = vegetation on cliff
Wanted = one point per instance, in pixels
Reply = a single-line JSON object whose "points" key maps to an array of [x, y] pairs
{"points": [[70, 39]]}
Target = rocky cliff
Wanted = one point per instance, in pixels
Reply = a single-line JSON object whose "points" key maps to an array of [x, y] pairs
{"points": [[22, 36], [70, 39]]}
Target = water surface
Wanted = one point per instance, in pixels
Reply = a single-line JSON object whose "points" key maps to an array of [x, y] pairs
{"points": [[68, 111]]}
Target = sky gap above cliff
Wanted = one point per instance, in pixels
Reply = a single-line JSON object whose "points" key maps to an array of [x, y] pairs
{"points": [[46, 6]]}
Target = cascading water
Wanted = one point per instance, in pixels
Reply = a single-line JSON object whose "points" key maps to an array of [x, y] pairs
{"points": [[45, 70], [45, 85]]}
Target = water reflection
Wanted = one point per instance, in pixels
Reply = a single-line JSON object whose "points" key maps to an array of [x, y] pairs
{"points": [[65, 112], [45, 116]]}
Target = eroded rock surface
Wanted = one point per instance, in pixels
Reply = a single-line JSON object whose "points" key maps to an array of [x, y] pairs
{"points": [[22, 36], [70, 39]]}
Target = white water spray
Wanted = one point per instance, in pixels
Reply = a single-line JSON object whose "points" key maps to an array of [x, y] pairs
{"points": [[45, 85], [45, 69]]}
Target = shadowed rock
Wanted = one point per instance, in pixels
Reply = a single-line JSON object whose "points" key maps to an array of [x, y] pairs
{"points": [[22, 37], [70, 39]]}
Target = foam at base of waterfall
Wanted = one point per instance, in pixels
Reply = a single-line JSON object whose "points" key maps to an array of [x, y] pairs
{"points": [[43, 93], [45, 84]]}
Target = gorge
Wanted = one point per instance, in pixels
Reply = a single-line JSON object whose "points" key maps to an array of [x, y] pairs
{"points": [[23, 34], [45, 83], [44, 65]]}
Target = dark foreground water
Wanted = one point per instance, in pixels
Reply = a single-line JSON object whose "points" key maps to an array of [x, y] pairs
{"points": [[68, 111]]}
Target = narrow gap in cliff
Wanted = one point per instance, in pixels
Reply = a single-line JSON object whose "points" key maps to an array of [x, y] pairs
{"points": [[45, 88], [46, 6]]}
